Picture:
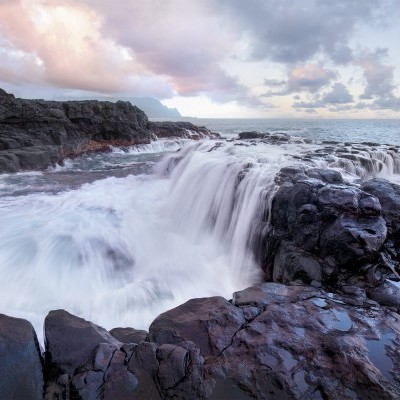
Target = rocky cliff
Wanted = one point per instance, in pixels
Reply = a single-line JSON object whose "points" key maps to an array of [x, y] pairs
{"points": [[37, 133]]}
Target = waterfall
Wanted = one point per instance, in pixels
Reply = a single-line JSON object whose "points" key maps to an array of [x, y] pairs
{"points": [[120, 248]]}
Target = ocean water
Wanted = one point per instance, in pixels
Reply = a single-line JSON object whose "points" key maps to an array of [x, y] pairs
{"points": [[120, 237], [385, 131]]}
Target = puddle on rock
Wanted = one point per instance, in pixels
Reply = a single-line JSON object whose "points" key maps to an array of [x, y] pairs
{"points": [[377, 354], [319, 302], [343, 322]]}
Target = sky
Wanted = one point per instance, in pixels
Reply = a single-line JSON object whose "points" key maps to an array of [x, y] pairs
{"points": [[209, 58]]}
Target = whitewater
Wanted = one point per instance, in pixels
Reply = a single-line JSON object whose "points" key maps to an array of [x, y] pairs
{"points": [[119, 237]]}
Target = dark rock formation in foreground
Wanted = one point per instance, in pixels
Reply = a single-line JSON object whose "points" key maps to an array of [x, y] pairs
{"points": [[333, 233], [272, 341], [21, 375], [37, 133]]}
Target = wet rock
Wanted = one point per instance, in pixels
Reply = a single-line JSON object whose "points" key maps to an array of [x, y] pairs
{"points": [[210, 323], [292, 263], [389, 197], [84, 360], [252, 135], [21, 374], [180, 129], [322, 229], [387, 294], [273, 138], [301, 342], [271, 341], [129, 335], [70, 340]]}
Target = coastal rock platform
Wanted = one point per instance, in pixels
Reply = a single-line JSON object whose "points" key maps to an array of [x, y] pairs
{"points": [[271, 341], [35, 134]]}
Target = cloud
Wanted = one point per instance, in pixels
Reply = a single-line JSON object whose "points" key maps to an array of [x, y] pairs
{"points": [[180, 48], [302, 78], [379, 78], [123, 46], [338, 97], [308, 77], [297, 30], [72, 58], [274, 82], [180, 40]]}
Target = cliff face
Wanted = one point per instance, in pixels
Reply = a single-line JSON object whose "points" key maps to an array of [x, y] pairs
{"points": [[37, 133]]}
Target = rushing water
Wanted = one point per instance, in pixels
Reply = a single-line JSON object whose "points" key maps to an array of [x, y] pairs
{"points": [[120, 237]]}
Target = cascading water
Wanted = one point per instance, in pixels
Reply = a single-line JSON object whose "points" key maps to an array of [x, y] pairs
{"points": [[120, 250]]}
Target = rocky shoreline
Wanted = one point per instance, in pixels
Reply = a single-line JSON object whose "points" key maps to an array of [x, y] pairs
{"points": [[324, 325], [271, 341], [35, 134]]}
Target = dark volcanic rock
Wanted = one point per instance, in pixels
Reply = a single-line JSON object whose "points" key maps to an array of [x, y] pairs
{"points": [[210, 323], [180, 129], [37, 133], [275, 138], [389, 197], [70, 339], [297, 342], [271, 341], [324, 230], [21, 374], [83, 359], [129, 335]]}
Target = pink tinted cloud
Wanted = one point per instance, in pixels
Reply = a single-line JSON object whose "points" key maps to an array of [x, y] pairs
{"points": [[63, 46], [180, 39], [172, 47]]}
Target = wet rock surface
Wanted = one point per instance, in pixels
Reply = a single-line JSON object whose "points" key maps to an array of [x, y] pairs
{"points": [[37, 133], [21, 374], [364, 160], [324, 230], [182, 129], [271, 341]]}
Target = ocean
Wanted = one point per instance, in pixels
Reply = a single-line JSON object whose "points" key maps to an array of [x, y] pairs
{"points": [[119, 237]]}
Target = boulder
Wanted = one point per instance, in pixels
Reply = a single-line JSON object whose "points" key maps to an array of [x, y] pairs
{"points": [[21, 373], [323, 229], [85, 361], [297, 342], [211, 323], [388, 194], [129, 335]]}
